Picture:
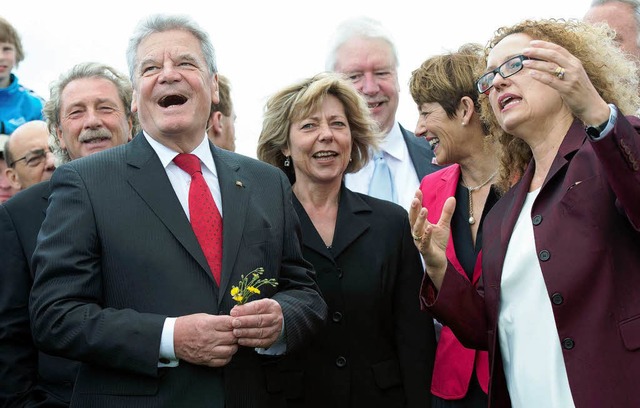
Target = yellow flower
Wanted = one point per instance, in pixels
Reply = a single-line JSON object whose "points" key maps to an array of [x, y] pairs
{"points": [[249, 285]]}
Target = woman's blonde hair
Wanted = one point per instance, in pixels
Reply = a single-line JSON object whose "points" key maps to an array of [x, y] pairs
{"points": [[613, 75], [300, 100]]}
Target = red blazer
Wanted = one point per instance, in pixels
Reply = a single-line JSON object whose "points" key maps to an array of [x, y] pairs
{"points": [[587, 232], [454, 363]]}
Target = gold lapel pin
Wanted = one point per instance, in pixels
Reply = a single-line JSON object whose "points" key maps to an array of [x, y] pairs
{"points": [[239, 183]]}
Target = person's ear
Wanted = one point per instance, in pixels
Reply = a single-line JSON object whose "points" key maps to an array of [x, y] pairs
{"points": [[134, 102], [466, 110], [13, 178], [215, 95], [130, 134], [216, 122], [60, 139]]}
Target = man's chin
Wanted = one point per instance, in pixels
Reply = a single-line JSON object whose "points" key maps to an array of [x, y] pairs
{"points": [[91, 148]]}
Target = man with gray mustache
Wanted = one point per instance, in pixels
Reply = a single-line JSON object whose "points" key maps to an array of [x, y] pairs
{"points": [[89, 110]]}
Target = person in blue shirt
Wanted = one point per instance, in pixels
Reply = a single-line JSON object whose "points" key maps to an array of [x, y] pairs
{"points": [[18, 104]]}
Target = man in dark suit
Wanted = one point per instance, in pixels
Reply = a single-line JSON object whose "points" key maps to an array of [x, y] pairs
{"points": [[364, 52], [123, 283], [103, 96]]}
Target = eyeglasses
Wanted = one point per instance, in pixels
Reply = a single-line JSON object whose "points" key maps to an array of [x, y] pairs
{"points": [[510, 67], [33, 158]]}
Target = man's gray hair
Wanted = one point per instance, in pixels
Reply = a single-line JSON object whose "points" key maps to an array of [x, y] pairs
{"points": [[159, 23], [364, 27]]}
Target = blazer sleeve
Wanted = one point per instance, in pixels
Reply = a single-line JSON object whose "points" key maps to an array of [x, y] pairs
{"points": [[458, 305], [619, 154], [303, 307], [65, 304], [18, 356], [415, 332]]}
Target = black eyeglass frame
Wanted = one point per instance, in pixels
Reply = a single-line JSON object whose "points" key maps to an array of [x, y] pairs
{"points": [[497, 70], [37, 154]]}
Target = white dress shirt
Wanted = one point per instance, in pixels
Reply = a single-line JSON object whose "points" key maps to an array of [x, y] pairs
{"points": [[180, 181], [529, 343], [404, 174]]}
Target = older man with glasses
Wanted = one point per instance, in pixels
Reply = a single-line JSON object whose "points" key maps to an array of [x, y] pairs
{"points": [[29, 159]]}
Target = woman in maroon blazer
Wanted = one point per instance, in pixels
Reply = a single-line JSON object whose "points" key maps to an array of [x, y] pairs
{"points": [[559, 310], [444, 90]]}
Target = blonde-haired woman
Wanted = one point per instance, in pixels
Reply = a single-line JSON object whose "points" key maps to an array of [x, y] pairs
{"points": [[378, 347]]}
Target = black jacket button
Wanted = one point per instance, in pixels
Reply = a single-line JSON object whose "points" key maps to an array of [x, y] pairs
{"points": [[336, 317], [544, 255], [568, 343], [341, 361], [537, 219], [557, 299]]}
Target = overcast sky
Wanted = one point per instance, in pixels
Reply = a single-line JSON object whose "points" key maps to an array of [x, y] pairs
{"points": [[261, 45]]}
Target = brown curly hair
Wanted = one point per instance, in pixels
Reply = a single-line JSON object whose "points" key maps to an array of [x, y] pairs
{"points": [[613, 75]]}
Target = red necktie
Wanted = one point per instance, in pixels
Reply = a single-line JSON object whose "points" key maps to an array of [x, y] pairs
{"points": [[205, 217]]}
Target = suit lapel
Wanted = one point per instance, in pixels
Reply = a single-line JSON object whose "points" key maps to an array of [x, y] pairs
{"points": [[149, 179], [235, 191], [351, 222], [420, 153], [310, 237], [46, 192], [574, 139]]}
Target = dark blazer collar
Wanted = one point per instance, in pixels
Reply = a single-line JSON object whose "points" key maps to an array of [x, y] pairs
{"points": [[351, 223], [514, 198], [235, 190], [148, 177]]}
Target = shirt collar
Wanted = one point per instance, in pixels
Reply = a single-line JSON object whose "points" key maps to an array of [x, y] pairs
{"points": [[166, 155], [393, 143]]}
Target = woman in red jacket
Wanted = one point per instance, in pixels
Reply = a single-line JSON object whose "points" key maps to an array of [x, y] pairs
{"points": [[444, 90]]}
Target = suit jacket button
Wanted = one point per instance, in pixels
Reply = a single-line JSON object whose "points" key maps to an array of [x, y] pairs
{"points": [[568, 343], [339, 270], [544, 255], [557, 299], [336, 317], [341, 361], [537, 220]]}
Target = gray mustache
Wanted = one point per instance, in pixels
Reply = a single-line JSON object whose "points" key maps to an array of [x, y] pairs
{"points": [[93, 134]]}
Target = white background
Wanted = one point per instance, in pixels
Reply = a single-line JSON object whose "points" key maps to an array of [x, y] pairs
{"points": [[261, 45]]}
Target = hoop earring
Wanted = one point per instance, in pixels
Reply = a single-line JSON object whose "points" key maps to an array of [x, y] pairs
{"points": [[287, 161]]}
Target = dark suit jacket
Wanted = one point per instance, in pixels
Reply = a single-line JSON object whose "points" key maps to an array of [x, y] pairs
{"points": [[377, 349], [586, 224], [116, 255], [27, 378], [420, 153]]}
